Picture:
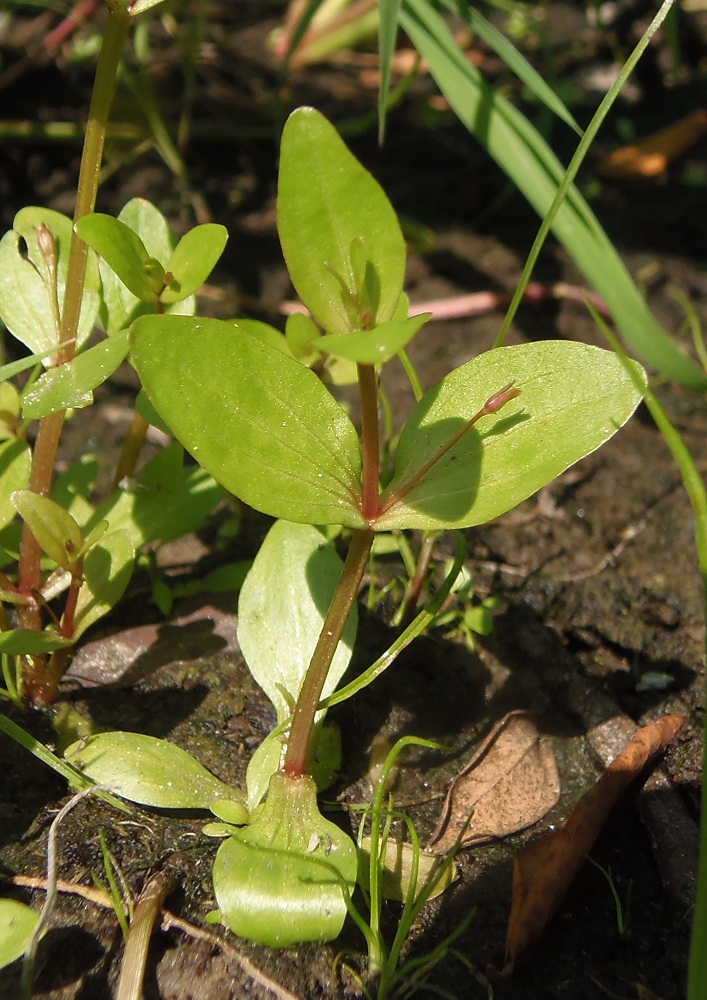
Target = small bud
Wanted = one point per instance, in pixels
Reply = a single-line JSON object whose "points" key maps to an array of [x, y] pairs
{"points": [[494, 403], [46, 244]]}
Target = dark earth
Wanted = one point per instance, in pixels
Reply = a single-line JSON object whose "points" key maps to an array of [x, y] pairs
{"points": [[602, 614]]}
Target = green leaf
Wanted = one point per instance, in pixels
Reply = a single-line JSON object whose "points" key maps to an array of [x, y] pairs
{"points": [[514, 60], [376, 346], [120, 307], [72, 384], [266, 760], [72, 487], [17, 925], [266, 333], [523, 154], [57, 534], [107, 569], [162, 502], [291, 450], [15, 469], [303, 336], [283, 603], [17, 367], [281, 880], [574, 397], [123, 251], [149, 771], [9, 411], [26, 299], [230, 811], [26, 642], [193, 260], [340, 236], [387, 32]]}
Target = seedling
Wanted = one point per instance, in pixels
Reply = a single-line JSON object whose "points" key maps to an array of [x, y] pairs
{"points": [[53, 292], [487, 436]]}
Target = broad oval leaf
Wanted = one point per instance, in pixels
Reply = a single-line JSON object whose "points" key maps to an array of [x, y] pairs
{"points": [[281, 880], [119, 307], [193, 260], [122, 249], [337, 228], [573, 398], [283, 603], [149, 771], [17, 925], [261, 423]]}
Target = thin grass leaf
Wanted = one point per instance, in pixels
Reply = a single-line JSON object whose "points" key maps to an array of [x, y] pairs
{"points": [[514, 60], [527, 159], [388, 11]]}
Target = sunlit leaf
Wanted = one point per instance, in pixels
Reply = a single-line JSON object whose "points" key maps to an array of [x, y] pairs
{"points": [[231, 810], [376, 346], [72, 384], [193, 260], [340, 236], [17, 925], [107, 570], [26, 642], [56, 531], [281, 610], [291, 450], [573, 398], [525, 156], [281, 880], [119, 307], [149, 771], [122, 249], [15, 468]]}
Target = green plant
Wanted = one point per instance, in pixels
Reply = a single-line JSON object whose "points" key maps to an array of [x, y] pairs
{"points": [[398, 869], [53, 291], [296, 455], [280, 875]]}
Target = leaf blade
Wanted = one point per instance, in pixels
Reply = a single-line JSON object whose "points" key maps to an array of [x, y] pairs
{"points": [[293, 452]]}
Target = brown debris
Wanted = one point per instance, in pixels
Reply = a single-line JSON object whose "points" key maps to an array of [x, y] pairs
{"points": [[545, 869], [509, 784], [654, 154]]}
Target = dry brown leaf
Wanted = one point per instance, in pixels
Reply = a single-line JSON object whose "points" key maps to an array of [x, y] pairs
{"points": [[544, 870], [654, 154], [509, 784]]}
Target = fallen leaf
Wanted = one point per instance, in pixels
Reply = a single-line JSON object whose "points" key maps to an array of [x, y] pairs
{"points": [[544, 870], [509, 784], [434, 874], [654, 154]]}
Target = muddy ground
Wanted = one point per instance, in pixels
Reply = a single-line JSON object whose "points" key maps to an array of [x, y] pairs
{"points": [[602, 614]]}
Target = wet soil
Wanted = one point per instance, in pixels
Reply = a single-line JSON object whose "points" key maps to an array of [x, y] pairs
{"points": [[602, 610]]}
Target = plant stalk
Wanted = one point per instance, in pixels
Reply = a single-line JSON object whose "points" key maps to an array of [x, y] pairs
{"points": [[370, 440], [297, 758], [50, 428]]}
